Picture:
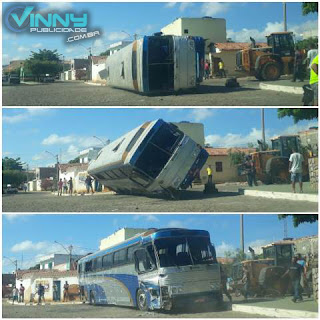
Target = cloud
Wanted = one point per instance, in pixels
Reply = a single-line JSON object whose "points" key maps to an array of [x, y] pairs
{"points": [[116, 35], [257, 245], [170, 4], [223, 248], [145, 217], [56, 139], [25, 115], [37, 45], [176, 224], [5, 59], [23, 49], [260, 34], [185, 5], [6, 153], [200, 114], [28, 245], [214, 8]]}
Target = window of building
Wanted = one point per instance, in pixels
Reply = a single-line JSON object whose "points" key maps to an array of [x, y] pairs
{"points": [[219, 166], [186, 31]]}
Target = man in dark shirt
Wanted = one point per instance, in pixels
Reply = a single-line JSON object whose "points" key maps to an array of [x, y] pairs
{"points": [[294, 273]]}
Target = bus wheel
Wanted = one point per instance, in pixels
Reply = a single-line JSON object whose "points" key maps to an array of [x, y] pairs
{"points": [[142, 300], [92, 300]]}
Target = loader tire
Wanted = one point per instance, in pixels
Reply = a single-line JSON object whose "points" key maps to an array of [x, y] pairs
{"points": [[270, 71]]}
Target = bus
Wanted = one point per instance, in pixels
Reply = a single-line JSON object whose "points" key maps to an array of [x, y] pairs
{"points": [[157, 64], [153, 158], [157, 269]]}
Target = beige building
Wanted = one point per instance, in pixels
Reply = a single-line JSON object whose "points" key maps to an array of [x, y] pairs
{"points": [[194, 130], [222, 169], [211, 29], [119, 236]]}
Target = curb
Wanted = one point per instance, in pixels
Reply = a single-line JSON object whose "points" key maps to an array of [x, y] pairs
{"points": [[84, 194], [288, 89], [275, 312], [281, 195], [96, 84]]}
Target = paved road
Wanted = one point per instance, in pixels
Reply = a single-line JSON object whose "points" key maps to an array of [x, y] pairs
{"points": [[87, 311], [211, 93], [227, 200]]}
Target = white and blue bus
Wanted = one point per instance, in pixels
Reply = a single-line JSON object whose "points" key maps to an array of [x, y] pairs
{"points": [[158, 269], [157, 64], [152, 158]]}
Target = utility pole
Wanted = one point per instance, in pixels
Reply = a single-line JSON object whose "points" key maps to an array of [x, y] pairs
{"points": [[241, 235], [69, 251], [285, 228], [284, 16], [15, 263], [263, 128], [57, 159]]}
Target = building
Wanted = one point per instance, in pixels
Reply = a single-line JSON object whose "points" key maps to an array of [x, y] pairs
{"points": [[78, 173], [58, 262], [222, 168], [119, 236], [97, 68], [114, 47], [48, 278], [194, 130], [44, 179], [213, 30], [78, 71], [89, 154], [13, 66], [8, 281], [227, 53]]}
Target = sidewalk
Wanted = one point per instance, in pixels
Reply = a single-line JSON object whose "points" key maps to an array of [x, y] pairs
{"points": [[44, 304], [83, 194], [284, 85], [278, 307]]}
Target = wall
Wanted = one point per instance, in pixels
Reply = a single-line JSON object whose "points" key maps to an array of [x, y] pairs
{"points": [[313, 172], [229, 173], [119, 236], [96, 68], [229, 59]]}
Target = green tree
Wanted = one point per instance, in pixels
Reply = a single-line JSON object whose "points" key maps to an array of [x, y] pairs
{"points": [[308, 43], [12, 164], [75, 160], [298, 114], [44, 62], [236, 157], [309, 7], [300, 218], [13, 177]]}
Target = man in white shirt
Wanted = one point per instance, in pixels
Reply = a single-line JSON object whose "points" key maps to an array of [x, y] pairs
{"points": [[295, 167], [312, 53]]}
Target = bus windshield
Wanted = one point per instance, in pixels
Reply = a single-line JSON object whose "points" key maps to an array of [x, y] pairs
{"points": [[184, 251], [159, 149]]}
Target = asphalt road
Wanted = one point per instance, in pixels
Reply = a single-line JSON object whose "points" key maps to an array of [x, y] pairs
{"points": [[88, 311], [227, 200], [211, 93]]}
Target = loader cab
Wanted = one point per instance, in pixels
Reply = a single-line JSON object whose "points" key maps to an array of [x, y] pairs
{"points": [[281, 43], [285, 144], [281, 253]]}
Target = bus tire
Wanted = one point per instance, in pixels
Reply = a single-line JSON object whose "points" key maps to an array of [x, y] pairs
{"points": [[142, 303], [92, 300]]}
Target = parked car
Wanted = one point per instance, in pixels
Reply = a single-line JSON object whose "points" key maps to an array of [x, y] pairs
{"points": [[47, 79], [9, 189], [14, 79], [5, 78]]}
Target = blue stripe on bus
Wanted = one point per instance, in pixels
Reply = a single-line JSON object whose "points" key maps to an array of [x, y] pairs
{"points": [[145, 75]]}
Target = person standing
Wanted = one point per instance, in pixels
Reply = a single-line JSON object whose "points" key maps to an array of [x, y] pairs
{"points": [[65, 186], [222, 72], [209, 173], [21, 293], [25, 186], [297, 72], [295, 168], [224, 278], [303, 280], [40, 293], [206, 70], [15, 293], [314, 79], [66, 292], [88, 182], [312, 53], [294, 273], [60, 184], [246, 282], [70, 183]]}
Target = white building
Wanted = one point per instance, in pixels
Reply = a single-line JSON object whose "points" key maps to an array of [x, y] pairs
{"points": [[78, 173], [211, 29], [98, 65], [119, 236], [89, 154], [114, 47], [58, 261]]}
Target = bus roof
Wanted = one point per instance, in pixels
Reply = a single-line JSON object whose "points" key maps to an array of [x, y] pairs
{"points": [[148, 236]]}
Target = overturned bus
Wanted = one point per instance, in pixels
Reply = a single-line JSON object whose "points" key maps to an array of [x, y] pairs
{"points": [[154, 157], [157, 64]]}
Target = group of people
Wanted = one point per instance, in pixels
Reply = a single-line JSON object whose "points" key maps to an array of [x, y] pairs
{"points": [[221, 70], [65, 186], [18, 294]]}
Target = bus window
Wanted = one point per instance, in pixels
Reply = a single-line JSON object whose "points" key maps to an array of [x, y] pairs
{"points": [[107, 261], [88, 266], [134, 139], [94, 264], [200, 250], [130, 253], [143, 261], [120, 257], [99, 263]]}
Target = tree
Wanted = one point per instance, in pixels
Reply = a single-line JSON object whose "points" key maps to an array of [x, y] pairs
{"points": [[44, 62], [236, 157], [298, 114], [75, 160], [13, 177], [12, 164], [309, 7], [300, 218], [308, 43]]}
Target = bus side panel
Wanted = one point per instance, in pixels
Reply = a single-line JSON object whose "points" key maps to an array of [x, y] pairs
{"points": [[185, 63]]}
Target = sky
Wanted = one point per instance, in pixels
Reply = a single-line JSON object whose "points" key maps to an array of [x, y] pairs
{"points": [[243, 20], [27, 237], [29, 133]]}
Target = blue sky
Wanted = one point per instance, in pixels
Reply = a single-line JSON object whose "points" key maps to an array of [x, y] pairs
{"points": [[28, 133], [33, 235], [243, 20]]}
